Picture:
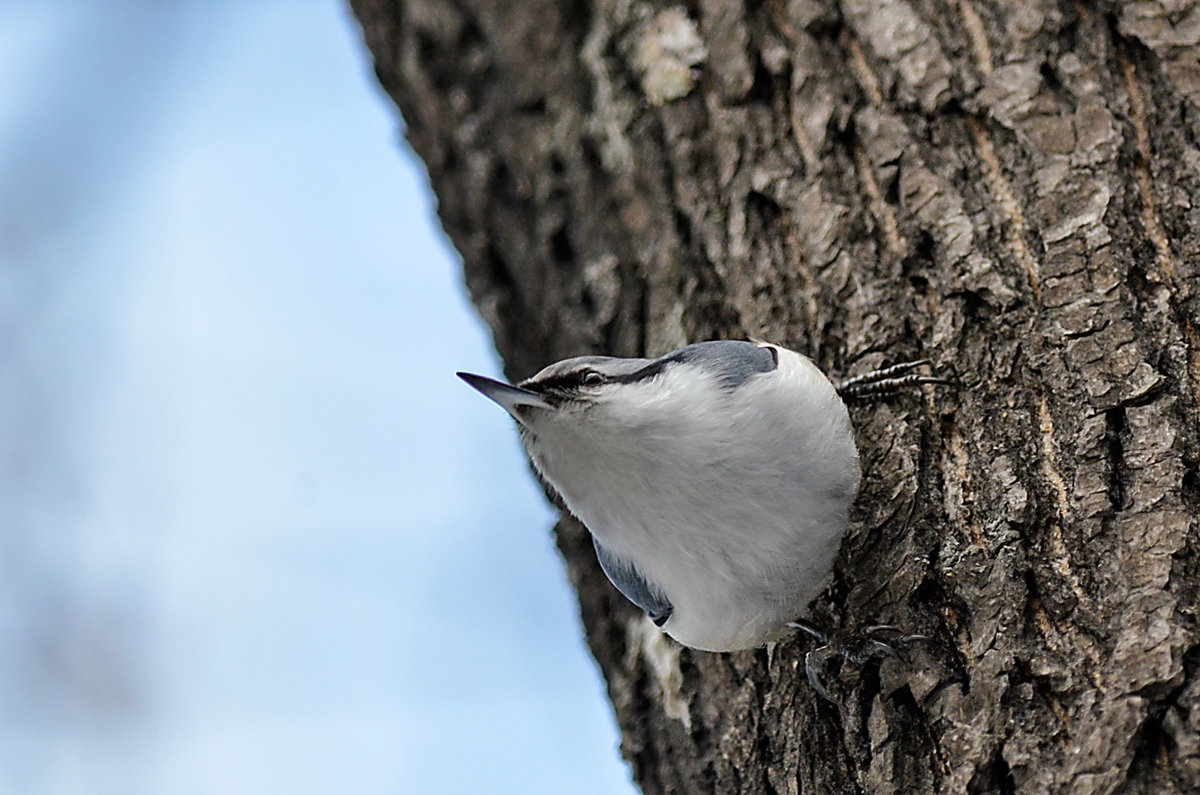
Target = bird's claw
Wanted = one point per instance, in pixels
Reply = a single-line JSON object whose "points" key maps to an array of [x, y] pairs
{"points": [[886, 379], [881, 640], [811, 664]]}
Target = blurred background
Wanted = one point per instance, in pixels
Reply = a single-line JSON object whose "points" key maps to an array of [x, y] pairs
{"points": [[254, 535]]}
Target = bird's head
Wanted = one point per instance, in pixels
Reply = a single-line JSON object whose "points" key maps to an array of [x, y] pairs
{"points": [[606, 395], [599, 427], [582, 390]]}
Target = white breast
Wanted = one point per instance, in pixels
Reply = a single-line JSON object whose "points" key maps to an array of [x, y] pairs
{"points": [[732, 502]]}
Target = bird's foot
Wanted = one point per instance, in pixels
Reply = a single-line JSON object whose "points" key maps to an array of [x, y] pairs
{"points": [[880, 640], [888, 379]]}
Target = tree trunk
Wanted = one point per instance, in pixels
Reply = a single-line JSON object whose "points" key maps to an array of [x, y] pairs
{"points": [[1009, 188]]}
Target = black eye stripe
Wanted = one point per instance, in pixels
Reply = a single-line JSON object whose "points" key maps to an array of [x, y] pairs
{"points": [[566, 382], [732, 362], [646, 373]]}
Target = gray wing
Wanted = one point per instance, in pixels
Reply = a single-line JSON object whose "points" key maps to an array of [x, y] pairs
{"points": [[630, 582], [732, 361]]}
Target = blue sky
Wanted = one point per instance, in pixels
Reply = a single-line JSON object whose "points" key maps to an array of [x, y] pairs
{"points": [[256, 536]]}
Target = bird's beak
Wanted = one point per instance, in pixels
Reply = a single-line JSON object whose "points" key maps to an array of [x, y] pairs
{"points": [[508, 396]]}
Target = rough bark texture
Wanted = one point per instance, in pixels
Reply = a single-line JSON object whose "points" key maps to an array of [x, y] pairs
{"points": [[1009, 188]]}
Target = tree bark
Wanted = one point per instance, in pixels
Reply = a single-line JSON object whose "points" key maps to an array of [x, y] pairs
{"points": [[1009, 188]]}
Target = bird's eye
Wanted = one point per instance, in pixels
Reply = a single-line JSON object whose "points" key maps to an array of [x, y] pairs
{"points": [[592, 378]]}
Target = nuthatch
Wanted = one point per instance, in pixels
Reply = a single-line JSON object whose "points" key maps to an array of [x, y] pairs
{"points": [[716, 480]]}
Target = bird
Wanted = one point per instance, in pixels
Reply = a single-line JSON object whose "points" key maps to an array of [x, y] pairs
{"points": [[716, 480]]}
